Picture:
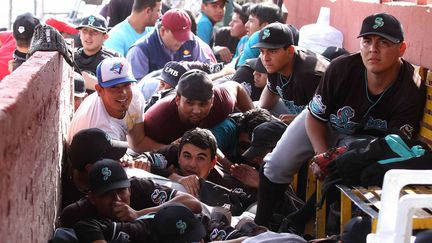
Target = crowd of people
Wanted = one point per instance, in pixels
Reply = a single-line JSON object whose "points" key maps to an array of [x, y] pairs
{"points": [[227, 114]]}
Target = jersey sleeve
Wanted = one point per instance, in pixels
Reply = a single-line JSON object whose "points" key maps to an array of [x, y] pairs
{"points": [[149, 194], [320, 105]]}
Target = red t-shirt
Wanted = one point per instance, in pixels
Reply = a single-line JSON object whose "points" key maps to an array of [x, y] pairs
{"points": [[162, 122], [6, 51]]}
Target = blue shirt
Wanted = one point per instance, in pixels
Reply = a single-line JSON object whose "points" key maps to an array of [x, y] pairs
{"points": [[240, 46], [123, 36], [248, 51], [205, 28]]}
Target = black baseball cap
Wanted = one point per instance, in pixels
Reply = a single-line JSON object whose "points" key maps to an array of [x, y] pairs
{"points": [[195, 85], [384, 25], [96, 22], [79, 85], [24, 25], [106, 175], [214, 1], [93, 144], [171, 73], [256, 64], [275, 35], [175, 223], [265, 136]]}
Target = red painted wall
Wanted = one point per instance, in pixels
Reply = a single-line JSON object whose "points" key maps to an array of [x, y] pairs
{"points": [[347, 16], [35, 110]]}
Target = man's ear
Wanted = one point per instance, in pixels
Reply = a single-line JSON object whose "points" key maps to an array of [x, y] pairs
{"points": [[177, 99], [105, 37], [214, 161], [402, 48], [98, 89]]}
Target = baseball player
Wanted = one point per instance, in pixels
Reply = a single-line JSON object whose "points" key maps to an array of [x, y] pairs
{"points": [[293, 72], [367, 94]]}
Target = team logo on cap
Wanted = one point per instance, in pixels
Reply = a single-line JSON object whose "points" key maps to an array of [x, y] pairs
{"points": [[379, 22], [217, 234], [91, 20], [106, 173], [21, 29], [181, 226], [266, 34], [117, 68], [171, 71]]}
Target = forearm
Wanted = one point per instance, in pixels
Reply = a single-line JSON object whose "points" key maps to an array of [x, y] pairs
{"points": [[317, 133], [244, 101], [189, 201], [226, 164], [267, 99], [146, 144]]}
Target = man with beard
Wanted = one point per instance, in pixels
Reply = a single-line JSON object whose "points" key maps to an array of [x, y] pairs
{"points": [[115, 108], [196, 104]]}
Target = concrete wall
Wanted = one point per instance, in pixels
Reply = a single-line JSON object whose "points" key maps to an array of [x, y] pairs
{"points": [[35, 110], [347, 16]]}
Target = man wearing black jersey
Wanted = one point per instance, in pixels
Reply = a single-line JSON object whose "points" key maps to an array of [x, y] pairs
{"points": [[293, 72], [367, 94], [93, 33]]}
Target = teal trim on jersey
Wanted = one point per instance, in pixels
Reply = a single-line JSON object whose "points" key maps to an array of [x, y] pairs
{"points": [[398, 146]]}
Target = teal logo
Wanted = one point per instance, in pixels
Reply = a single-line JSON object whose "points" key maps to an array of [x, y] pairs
{"points": [[181, 226], [106, 173], [91, 20], [378, 23], [266, 34]]}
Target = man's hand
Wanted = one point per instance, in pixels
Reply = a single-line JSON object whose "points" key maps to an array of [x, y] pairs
{"points": [[223, 52], [142, 163], [124, 212], [191, 183], [245, 174], [287, 118], [316, 171]]}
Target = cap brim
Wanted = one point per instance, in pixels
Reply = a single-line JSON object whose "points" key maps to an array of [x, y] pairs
{"points": [[256, 65], [183, 35], [92, 27], [113, 82], [392, 39], [117, 150], [268, 46], [253, 152], [80, 95], [112, 186]]}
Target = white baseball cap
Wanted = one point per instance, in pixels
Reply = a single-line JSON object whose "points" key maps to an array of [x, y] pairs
{"points": [[114, 70]]}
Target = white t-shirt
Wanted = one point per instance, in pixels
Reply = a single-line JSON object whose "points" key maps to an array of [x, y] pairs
{"points": [[92, 114]]}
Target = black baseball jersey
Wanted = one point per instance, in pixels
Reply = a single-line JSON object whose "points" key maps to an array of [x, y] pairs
{"points": [[89, 63], [342, 98], [144, 194], [297, 90]]}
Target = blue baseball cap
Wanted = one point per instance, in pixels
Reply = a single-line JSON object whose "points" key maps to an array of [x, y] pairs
{"points": [[114, 70]]}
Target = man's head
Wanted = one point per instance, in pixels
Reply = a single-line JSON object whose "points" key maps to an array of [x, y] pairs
{"points": [[23, 29], [213, 9], [93, 32], [89, 146], [109, 185], [276, 47], [175, 29], [260, 73], [247, 123], [238, 20], [197, 152], [79, 90], [114, 85], [264, 139], [382, 42], [261, 15], [150, 10], [171, 73], [194, 97], [176, 223]]}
